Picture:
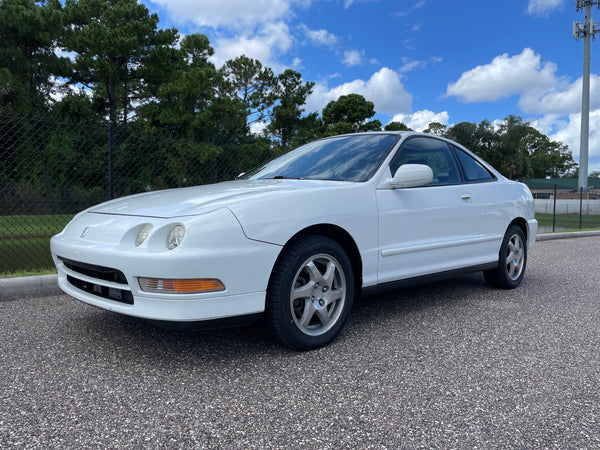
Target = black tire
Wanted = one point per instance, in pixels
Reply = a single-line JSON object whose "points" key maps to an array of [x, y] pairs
{"points": [[511, 262], [310, 293]]}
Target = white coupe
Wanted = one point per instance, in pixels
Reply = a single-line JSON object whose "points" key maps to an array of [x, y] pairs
{"points": [[296, 239]]}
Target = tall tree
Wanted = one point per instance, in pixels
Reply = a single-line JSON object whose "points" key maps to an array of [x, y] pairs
{"points": [[29, 34], [247, 80], [435, 128], [291, 94], [349, 114], [115, 41], [515, 148], [397, 126], [188, 103]]}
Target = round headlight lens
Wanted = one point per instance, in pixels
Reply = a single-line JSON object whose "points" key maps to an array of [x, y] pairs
{"points": [[143, 234], [175, 236]]}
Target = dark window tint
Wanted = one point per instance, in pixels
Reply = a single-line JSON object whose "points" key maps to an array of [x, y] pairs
{"points": [[472, 170], [433, 153]]}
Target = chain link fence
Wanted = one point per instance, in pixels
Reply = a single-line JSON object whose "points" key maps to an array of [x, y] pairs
{"points": [[564, 207], [51, 170]]}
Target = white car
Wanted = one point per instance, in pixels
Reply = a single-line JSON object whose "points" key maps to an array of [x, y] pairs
{"points": [[297, 238]]}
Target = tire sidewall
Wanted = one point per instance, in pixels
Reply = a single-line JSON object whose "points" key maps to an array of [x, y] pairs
{"points": [[504, 278], [278, 309]]}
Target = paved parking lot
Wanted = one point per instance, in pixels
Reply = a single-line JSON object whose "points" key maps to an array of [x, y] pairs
{"points": [[450, 364]]}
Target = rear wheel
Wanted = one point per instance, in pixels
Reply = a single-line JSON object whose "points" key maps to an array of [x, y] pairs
{"points": [[512, 260], [310, 293]]}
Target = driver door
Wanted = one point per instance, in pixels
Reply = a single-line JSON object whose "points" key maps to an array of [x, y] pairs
{"points": [[427, 229]]}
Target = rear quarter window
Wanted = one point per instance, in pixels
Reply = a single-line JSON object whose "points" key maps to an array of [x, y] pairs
{"points": [[473, 171]]}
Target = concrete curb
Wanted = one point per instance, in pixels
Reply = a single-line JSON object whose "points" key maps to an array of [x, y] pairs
{"points": [[573, 234], [36, 286], [47, 285]]}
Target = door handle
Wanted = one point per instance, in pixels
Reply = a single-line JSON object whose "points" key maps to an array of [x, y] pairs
{"points": [[466, 197]]}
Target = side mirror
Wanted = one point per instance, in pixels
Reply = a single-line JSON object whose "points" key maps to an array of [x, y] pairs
{"points": [[412, 175]]}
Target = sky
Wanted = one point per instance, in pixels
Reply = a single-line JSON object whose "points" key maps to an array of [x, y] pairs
{"points": [[417, 61]]}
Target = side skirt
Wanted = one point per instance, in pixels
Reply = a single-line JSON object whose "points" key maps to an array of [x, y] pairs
{"points": [[423, 279]]}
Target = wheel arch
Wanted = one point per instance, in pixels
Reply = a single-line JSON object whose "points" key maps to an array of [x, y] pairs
{"points": [[342, 238], [521, 223]]}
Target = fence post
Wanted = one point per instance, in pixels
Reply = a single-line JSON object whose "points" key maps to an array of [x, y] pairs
{"points": [[554, 211], [111, 148], [581, 208]]}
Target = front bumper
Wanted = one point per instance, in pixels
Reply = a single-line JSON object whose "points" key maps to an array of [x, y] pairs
{"points": [[190, 308], [104, 271], [532, 225]]}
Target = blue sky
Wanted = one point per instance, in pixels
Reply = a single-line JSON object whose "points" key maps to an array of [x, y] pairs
{"points": [[418, 61]]}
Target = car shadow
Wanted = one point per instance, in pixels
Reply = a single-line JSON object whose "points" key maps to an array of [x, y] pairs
{"points": [[130, 338]]}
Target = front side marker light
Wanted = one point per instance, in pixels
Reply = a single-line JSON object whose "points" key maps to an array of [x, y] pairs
{"points": [[175, 236], [183, 286], [143, 234]]}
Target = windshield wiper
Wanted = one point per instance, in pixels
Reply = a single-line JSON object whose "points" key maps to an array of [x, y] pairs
{"points": [[283, 177]]}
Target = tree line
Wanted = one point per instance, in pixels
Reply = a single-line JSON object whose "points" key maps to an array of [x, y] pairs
{"points": [[176, 118]]}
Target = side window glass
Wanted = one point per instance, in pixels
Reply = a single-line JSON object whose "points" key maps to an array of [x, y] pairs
{"points": [[433, 153], [472, 170]]}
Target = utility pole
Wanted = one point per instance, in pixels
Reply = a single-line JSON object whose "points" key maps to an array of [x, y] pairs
{"points": [[586, 30]]}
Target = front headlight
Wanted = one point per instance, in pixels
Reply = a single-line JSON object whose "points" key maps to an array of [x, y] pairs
{"points": [[175, 236], [143, 234]]}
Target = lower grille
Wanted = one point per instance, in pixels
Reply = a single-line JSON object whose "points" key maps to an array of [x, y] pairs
{"points": [[118, 295], [101, 274]]}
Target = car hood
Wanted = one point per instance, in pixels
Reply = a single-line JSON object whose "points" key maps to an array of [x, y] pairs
{"points": [[203, 199]]}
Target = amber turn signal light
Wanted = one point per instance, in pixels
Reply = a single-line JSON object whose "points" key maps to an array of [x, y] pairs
{"points": [[183, 286]]}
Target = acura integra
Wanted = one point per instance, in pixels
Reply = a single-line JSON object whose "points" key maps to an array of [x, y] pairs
{"points": [[296, 239]]}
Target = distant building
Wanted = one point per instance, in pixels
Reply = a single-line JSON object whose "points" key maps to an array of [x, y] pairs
{"points": [[566, 188]]}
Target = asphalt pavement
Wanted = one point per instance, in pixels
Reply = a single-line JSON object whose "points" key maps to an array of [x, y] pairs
{"points": [[452, 364]]}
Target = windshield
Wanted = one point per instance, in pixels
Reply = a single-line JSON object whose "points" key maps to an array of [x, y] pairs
{"points": [[343, 158]]}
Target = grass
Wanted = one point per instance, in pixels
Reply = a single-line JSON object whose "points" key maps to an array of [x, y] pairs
{"points": [[25, 239], [569, 222], [32, 226], [27, 273], [25, 243]]}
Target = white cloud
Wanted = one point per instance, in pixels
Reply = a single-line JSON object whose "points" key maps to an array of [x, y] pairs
{"points": [[319, 37], [61, 87], [272, 40], [547, 124], [353, 58], [566, 129], [348, 3], [409, 66], [297, 63], [568, 132], [384, 89], [506, 76], [419, 120], [544, 7], [257, 128], [562, 101], [413, 65], [231, 13], [539, 89], [416, 5]]}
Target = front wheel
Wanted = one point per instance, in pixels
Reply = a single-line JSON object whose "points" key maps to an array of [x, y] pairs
{"points": [[512, 260], [310, 293]]}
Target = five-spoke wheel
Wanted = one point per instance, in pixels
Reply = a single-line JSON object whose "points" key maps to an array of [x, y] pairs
{"points": [[318, 295], [310, 293], [511, 262]]}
